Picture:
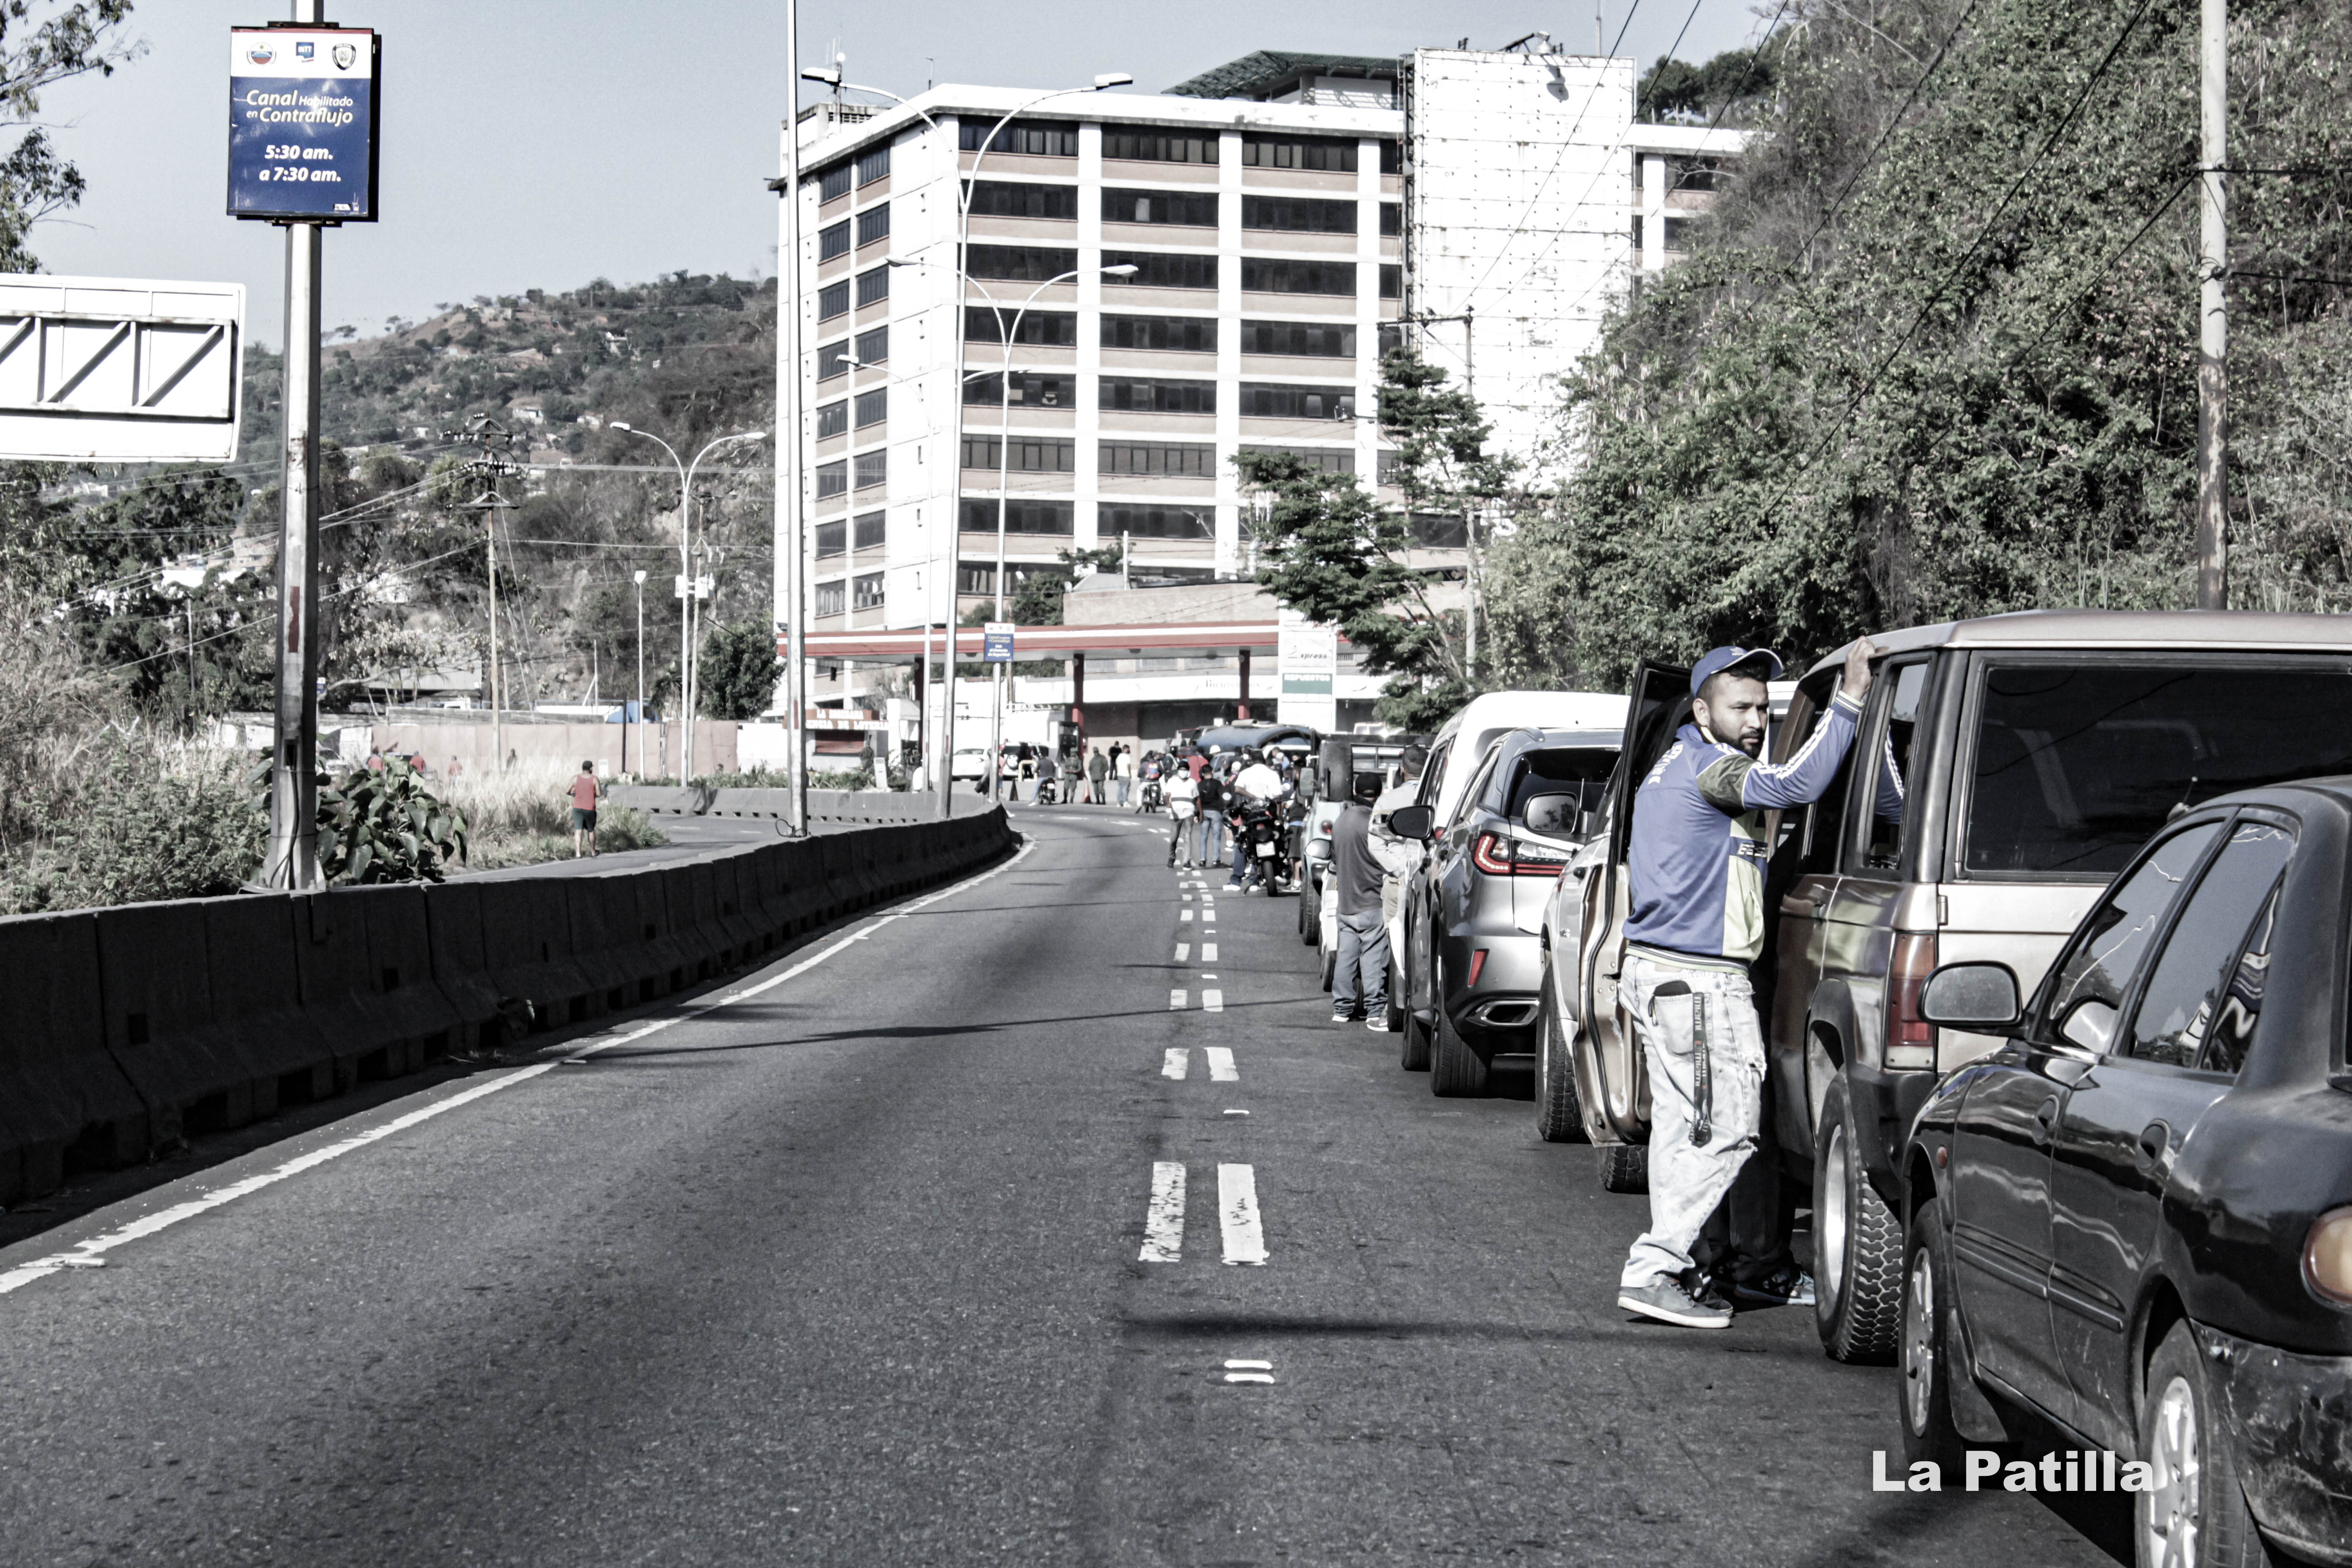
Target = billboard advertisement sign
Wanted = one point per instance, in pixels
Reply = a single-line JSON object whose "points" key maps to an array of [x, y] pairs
{"points": [[996, 642], [303, 117], [1308, 656]]}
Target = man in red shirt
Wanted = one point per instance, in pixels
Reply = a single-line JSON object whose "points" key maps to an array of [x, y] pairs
{"points": [[583, 811]]}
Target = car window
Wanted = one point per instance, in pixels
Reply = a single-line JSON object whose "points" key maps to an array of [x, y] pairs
{"points": [[1906, 685], [2076, 765], [2086, 995], [1816, 826], [2241, 999], [1433, 773], [2184, 987], [1476, 792], [1580, 771]]}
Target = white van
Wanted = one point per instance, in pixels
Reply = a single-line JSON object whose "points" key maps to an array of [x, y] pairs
{"points": [[1454, 756]]}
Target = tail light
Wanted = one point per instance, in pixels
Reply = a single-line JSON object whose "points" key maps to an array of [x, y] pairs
{"points": [[1499, 855], [1910, 1041], [2328, 1256], [1478, 963]]}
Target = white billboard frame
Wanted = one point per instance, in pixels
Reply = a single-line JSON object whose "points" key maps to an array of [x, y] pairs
{"points": [[120, 370]]}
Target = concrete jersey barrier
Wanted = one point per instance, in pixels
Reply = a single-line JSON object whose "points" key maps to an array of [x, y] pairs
{"points": [[134, 1026]]}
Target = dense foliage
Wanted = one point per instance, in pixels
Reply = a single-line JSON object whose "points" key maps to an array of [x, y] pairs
{"points": [[384, 823], [1934, 351]]}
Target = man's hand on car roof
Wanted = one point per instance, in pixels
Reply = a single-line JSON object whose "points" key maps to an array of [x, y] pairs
{"points": [[1857, 668]]}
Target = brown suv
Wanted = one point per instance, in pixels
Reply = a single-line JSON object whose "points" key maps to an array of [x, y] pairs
{"points": [[2015, 765]]}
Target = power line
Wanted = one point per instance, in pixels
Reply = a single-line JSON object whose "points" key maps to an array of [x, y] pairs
{"points": [[2120, 252]]}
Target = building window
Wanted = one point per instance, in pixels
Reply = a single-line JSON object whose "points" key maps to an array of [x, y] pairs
{"points": [[870, 530], [1696, 173], [831, 598], [866, 593], [874, 224], [834, 182], [832, 539], [1021, 515], [1391, 338], [1031, 389], [1315, 340], [1300, 214], [1262, 400], [1194, 209], [1161, 270], [832, 301], [1157, 147], [833, 419], [832, 480], [976, 576], [1031, 137], [1187, 334], [1013, 198], [832, 240], [872, 468], [1130, 394], [1264, 276], [1021, 263], [872, 285], [1391, 158], [873, 407], [1675, 227], [1391, 463], [1176, 458], [874, 165], [1391, 280], [1322, 460], [1050, 329], [1030, 455], [873, 345], [1155, 522], [830, 360], [1392, 217], [1331, 153]]}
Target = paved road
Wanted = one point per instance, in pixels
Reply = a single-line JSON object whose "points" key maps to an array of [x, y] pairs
{"points": [[848, 1269]]}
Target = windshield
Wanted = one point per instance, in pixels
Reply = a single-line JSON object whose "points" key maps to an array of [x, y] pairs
{"points": [[2077, 766]]}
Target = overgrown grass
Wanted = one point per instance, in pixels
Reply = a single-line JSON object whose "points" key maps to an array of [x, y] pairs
{"points": [[778, 778], [523, 816], [129, 815]]}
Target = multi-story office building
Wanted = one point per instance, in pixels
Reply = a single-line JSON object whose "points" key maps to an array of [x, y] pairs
{"points": [[1156, 282]]}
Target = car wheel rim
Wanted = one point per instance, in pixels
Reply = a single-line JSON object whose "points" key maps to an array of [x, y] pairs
{"points": [[1831, 1266], [1919, 1343], [2173, 1500]]}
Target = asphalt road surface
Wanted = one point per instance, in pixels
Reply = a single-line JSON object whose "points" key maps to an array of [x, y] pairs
{"points": [[1045, 1220]]}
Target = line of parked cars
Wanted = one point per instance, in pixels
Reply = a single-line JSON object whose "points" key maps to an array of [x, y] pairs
{"points": [[2057, 1009]]}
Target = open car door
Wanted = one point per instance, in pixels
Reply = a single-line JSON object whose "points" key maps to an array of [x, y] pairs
{"points": [[1612, 1084]]}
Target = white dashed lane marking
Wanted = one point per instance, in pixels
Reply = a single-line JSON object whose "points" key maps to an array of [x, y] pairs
{"points": [[1177, 1062], [1237, 1215], [1184, 915], [1208, 953], [1175, 997], [1213, 1001], [1221, 1062], [1163, 1221], [1184, 951]]}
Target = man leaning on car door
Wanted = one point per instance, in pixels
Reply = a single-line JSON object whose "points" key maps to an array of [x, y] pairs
{"points": [[1696, 861]]}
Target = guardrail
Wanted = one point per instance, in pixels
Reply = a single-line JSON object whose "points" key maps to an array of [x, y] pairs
{"points": [[135, 1026]]}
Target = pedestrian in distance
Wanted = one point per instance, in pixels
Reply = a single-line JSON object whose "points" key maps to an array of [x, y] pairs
{"points": [[1097, 769], [1360, 973], [456, 768], [1183, 803], [1123, 770], [1046, 772], [584, 793], [1401, 857], [1697, 865], [1209, 799]]}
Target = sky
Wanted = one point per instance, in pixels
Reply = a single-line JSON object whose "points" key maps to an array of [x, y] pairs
{"points": [[542, 143]]}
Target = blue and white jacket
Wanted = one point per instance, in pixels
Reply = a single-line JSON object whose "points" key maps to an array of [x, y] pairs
{"points": [[1698, 851]]}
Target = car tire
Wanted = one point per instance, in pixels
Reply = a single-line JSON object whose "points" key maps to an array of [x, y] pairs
{"points": [[1455, 1069], [1395, 1016], [1857, 1246], [1330, 967], [1415, 1052], [1625, 1168], [2196, 1493], [1558, 1118], [1923, 1396]]}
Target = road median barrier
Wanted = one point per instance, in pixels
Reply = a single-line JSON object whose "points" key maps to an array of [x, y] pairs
{"points": [[135, 1026]]}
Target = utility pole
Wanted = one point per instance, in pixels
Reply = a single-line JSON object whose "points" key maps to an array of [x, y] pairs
{"points": [[2213, 308], [497, 441], [293, 860], [791, 555], [639, 715]]}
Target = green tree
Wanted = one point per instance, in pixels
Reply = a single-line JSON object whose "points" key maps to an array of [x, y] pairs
{"points": [[739, 671], [42, 43]]}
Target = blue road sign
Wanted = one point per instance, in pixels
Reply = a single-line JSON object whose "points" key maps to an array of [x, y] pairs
{"points": [[302, 105], [996, 642]]}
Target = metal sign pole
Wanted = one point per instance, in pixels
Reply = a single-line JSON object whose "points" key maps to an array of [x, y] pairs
{"points": [[792, 562], [293, 859]]}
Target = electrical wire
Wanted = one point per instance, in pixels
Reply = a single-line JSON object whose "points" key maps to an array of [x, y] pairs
{"points": [[2108, 266]]}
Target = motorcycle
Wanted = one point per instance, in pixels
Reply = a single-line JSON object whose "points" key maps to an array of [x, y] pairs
{"points": [[1152, 799], [1266, 840]]}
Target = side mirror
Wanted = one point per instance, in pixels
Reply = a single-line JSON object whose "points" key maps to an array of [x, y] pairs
{"points": [[1412, 822], [1319, 849], [1553, 814], [1977, 997]]}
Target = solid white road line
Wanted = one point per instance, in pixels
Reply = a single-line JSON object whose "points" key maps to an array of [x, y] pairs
{"points": [[1213, 1000], [1175, 997], [1184, 951], [1208, 953], [1176, 1062], [90, 1251], [1237, 1215], [1163, 1222], [1221, 1059]]}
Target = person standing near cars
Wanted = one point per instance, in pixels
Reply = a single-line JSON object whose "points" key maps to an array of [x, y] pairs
{"points": [[1210, 790], [1360, 975], [1696, 863], [1097, 769], [1183, 800]]}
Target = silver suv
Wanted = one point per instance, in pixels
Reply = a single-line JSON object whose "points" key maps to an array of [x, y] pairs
{"points": [[2014, 764]]}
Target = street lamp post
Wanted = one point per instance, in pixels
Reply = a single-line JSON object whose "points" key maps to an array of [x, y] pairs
{"points": [[685, 581], [832, 76], [638, 714]]}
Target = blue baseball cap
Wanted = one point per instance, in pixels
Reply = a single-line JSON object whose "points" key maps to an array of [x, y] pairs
{"points": [[1715, 660]]}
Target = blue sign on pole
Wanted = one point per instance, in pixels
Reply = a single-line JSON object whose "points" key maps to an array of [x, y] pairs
{"points": [[302, 116], [996, 642]]}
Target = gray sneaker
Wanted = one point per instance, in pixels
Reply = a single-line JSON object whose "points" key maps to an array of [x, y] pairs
{"points": [[1664, 1298]]}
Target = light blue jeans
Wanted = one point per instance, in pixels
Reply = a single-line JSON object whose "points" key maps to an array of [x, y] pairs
{"points": [[1705, 1052], [1212, 824], [1363, 951]]}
